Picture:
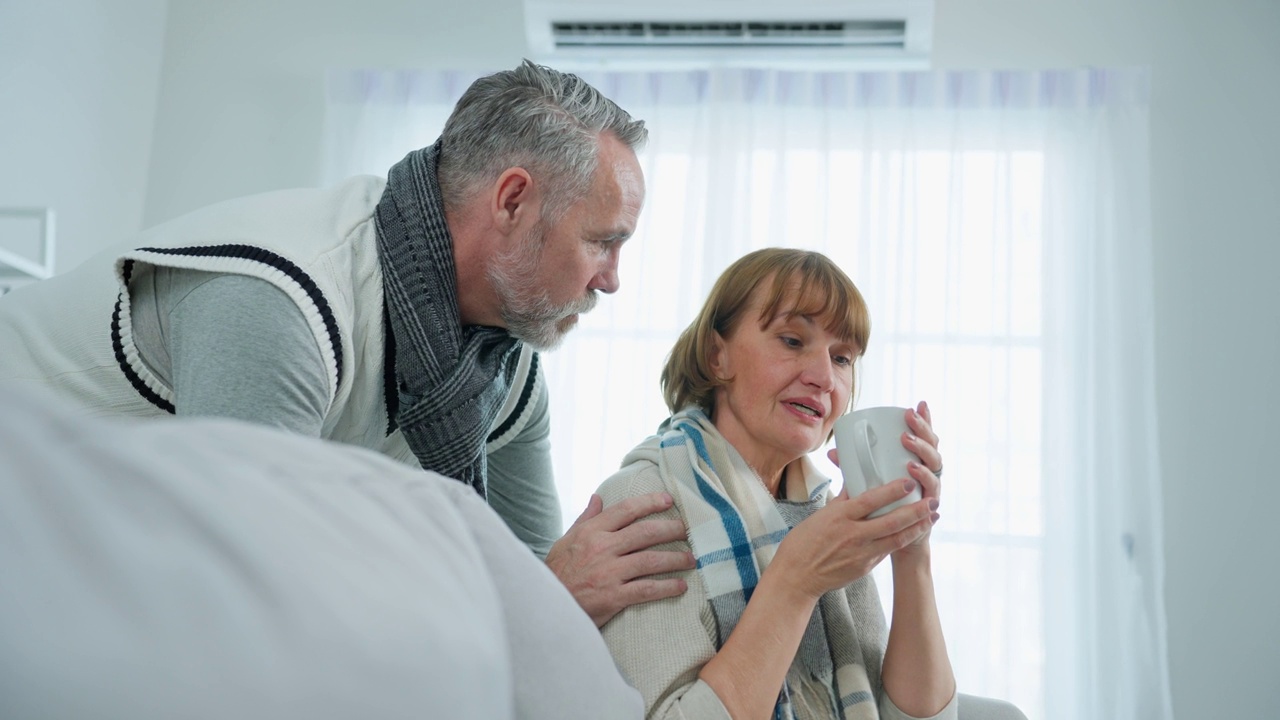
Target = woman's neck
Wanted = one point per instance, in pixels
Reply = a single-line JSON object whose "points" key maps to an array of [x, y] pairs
{"points": [[775, 481], [768, 463]]}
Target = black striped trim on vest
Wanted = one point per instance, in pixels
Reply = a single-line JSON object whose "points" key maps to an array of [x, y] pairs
{"points": [[245, 252], [117, 345], [391, 393], [525, 393]]}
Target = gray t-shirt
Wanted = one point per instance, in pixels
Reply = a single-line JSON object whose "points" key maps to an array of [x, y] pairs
{"points": [[236, 346]]}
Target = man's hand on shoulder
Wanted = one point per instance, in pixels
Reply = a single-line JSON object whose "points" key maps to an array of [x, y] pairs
{"points": [[605, 558]]}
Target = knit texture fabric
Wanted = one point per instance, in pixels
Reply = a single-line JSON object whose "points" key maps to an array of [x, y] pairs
{"points": [[735, 528], [451, 380]]}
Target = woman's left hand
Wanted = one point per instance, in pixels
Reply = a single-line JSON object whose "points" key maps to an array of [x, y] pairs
{"points": [[923, 441]]}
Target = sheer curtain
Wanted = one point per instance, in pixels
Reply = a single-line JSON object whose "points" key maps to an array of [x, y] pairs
{"points": [[997, 224]]}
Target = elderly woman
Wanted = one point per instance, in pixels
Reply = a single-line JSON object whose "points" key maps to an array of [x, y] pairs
{"points": [[781, 618]]}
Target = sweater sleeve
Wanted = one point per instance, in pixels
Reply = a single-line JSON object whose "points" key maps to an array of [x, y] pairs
{"points": [[889, 711], [661, 646], [522, 487], [237, 347]]}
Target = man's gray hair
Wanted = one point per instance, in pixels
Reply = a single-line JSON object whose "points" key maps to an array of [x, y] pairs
{"points": [[537, 118]]}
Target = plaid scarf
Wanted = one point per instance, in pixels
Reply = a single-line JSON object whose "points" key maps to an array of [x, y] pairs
{"points": [[451, 380], [735, 527]]}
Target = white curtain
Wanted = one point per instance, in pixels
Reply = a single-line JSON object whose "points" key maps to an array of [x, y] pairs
{"points": [[998, 225]]}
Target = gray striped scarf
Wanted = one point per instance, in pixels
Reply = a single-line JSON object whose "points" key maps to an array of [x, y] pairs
{"points": [[451, 381], [735, 527]]}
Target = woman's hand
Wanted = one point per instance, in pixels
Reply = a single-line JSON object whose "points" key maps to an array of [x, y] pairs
{"points": [[923, 441], [839, 543]]}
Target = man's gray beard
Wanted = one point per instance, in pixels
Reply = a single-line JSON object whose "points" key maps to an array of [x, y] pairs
{"points": [[526, 309]]}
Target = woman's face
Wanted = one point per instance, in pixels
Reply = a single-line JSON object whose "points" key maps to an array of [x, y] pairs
{"points": [[789, 381]]}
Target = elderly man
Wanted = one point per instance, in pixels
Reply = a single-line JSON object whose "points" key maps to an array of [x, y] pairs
{"points": [[400, 315]]}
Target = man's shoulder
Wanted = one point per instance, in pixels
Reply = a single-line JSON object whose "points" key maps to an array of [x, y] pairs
{"points": [[298, 217]]}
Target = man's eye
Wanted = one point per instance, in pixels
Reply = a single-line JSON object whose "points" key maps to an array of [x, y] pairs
{"points": [[790, 342]]}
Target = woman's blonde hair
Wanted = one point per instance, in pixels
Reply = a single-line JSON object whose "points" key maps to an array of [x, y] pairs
{"points": [[809, 282]]}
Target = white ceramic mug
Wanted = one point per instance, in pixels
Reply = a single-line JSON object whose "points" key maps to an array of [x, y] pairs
{"points": [[869, 442]]}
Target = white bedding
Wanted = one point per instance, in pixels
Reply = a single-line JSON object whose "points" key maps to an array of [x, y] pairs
{"points": [[202, 568]]}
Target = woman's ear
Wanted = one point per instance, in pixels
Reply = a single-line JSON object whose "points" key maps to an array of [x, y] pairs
{"points": [[718, 358]]}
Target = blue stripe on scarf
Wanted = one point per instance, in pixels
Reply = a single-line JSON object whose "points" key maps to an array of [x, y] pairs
{"points": [[854, 698], [696, 436], [822, 488], [722, 555], [782, 708], [739, 541]]}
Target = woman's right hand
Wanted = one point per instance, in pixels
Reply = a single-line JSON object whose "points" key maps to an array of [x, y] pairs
{"points": [[839, 543]]}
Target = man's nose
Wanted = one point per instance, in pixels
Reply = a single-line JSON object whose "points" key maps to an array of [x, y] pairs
{"points": [[606, 281]]}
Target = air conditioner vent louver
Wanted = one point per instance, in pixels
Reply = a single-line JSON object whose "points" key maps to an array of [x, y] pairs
{"points": [[890, 34]]}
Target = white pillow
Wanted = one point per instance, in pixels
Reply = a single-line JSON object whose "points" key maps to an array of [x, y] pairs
{"points": [[208, 568]]}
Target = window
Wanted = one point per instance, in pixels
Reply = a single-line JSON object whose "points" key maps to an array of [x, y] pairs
{"points": [[945, 247], [995, 222]]}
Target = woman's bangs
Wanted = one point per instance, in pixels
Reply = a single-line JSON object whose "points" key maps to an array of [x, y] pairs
{"points": [[827, 301]]}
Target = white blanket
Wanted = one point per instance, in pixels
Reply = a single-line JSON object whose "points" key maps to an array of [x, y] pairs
{"points": [[204, 568]]}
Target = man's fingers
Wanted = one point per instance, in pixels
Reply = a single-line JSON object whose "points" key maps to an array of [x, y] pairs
{"points": [[628, 511], [594, 506], [648, 589], [647, 533], [654, 562]]}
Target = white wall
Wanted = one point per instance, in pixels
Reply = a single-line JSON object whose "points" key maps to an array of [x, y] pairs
{"points": [[1215, 126], [78, 87], [1216, 164], [242, 98]]}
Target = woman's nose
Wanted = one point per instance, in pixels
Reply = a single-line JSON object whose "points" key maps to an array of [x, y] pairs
{"points": [[819, 372]]}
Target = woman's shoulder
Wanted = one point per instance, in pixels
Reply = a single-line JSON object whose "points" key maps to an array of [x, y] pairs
{"points": [[638, 475]]}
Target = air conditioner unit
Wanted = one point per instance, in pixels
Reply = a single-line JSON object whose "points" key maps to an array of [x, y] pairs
{"points": [[858, 33]]}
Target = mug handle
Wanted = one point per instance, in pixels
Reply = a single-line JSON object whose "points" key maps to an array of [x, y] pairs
{"points": [[864, 437]]}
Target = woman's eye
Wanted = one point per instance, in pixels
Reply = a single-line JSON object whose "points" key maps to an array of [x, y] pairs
{"points": [[790, 342], [842, 360]]}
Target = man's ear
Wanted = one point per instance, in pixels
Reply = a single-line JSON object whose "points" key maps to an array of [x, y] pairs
{"points": [[514, 200]]}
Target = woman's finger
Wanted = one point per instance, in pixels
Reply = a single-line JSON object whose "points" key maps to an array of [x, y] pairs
{"points": [[868, 502], [927, 453], [920, 426], [923, 410], [911, 534], [930, 485]]}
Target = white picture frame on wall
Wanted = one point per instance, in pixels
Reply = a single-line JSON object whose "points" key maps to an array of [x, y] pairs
{"points": [[26, 245]]}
